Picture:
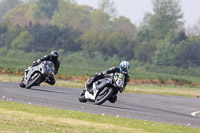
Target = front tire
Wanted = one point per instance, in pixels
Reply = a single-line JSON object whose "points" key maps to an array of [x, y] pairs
{"points": [[81, 98], [34, 81], [22, 85], [101, 98]]}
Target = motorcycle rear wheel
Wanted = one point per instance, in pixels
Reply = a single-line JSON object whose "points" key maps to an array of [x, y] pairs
{"points": [[33, 82], [101, 98]]}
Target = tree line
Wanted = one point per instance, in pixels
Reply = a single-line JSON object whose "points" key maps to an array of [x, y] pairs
{"points": [[44, 25]]}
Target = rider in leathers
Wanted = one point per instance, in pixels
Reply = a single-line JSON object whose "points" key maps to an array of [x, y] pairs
{"points": [[53, 56], [123, 68]]}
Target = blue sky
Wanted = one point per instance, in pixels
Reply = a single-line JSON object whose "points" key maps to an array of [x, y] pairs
{"points": [[135, 9]]}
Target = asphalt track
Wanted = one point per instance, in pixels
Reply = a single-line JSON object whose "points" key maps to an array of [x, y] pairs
{"points": [[164, 109]]}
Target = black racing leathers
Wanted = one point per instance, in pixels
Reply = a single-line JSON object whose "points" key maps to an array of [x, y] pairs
{"points": [[98, 76], [51, 79], [56, 62], [117, 69]]}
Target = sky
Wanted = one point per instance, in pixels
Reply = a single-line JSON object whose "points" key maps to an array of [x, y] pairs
{"points": [[135, 9]]}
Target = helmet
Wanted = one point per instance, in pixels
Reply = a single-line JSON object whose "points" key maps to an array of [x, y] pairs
{"points": [[54, 55], [124, 66]]}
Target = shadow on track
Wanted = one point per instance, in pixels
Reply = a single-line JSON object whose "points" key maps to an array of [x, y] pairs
{"points": [[52, 91]]}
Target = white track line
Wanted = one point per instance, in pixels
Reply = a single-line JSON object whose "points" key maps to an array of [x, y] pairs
{"points": [[195, 113]]}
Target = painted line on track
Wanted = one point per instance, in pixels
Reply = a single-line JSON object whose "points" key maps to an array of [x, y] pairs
{"points": [[195, 113]]}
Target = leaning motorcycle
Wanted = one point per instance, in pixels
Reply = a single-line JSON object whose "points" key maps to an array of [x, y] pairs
{"points": [[112, 84], [34, 75]]}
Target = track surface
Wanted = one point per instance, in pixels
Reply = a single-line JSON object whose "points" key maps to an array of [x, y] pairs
{"points": [[165, 109]]}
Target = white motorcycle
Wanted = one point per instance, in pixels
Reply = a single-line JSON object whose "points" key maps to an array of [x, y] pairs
{"points": [[112, 84]]}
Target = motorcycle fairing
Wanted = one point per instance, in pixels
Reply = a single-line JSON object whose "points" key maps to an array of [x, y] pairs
{"points": [[43, 68]]}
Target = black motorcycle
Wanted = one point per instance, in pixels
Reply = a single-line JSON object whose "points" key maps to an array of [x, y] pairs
{"points": [[34, 75], [112, 84]]}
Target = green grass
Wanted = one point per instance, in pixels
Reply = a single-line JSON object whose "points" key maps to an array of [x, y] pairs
{"points": [[173, 90], [11, 65], [17, 118]]}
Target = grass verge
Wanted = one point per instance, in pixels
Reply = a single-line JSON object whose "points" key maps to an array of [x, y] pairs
{"points": [[176, 90], [66, 72], [17, 118]]}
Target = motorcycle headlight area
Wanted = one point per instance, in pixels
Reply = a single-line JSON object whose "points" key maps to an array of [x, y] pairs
{"points": [[119, 81]]}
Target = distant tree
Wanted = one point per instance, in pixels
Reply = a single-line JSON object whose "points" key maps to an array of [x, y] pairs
{"points": [[3, 28], [180, 57], [18, 15], [90, 41], [22, 41], [3, 32], [48, 7], [165, 53], [144, 34], [167, 17], [163, 29], [180, 36], [30, 1], [51, 36], [44, 37], [71, 15], [107, 43], [189, 53], [100, 21], [170, 49], [68, 40], [145, 51], [125, 27], [108, 7], [127, 52], [114, 43], [8, 33], [6, 5]]}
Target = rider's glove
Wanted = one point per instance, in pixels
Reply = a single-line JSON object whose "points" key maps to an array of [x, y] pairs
{"points": [[104, 72], [38, 61], [35, 63]]}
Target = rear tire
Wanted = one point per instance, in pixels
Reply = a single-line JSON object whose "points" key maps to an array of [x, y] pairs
{"points": [[33, 81], [103, 97], [81, 98]]}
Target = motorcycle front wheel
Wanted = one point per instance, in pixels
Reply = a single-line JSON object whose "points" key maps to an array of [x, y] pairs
{"points": [[81, 98], [33, 81], [102, 97]]}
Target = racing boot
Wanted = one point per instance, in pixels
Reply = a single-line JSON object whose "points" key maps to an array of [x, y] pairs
{"points": [[113, 99]]}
